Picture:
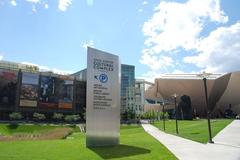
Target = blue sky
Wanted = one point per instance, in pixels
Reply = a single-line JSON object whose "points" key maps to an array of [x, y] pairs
{"points": [[156, 36]]}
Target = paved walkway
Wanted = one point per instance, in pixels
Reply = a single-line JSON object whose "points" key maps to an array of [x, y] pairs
{"points": [[82, 127], [229, 135], [226, 146]]}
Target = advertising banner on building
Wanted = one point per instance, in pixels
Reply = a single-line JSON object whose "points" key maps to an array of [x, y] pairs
{"points": [[29, 90], [65, 93], [80, 98], [80, 94], [103, 98], [8, 88], [48, 95]]}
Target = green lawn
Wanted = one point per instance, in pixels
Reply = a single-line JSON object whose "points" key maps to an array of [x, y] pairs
{"points": [[135, 144], [196, 130], [9, 129]]}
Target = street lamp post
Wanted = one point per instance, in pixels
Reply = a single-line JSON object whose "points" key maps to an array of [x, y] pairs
{"points": [[176, 111], [204, 76], [163, 115]]}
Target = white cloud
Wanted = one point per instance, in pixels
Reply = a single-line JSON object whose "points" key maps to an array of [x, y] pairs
{"points": [[34, 10], [90, 2], [144, 3], [29, 63], [176, 71], [87, 44], [64, 4], [34, 4], [46, 6], [47, 69], [140, 10], [150, 76], [14, 3], [60, 71], [1, 55], [220, 51], [55, 70], [175, 26], [34, 1], [155, 62]]}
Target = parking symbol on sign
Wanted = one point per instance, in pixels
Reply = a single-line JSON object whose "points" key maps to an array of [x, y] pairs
{"points": [[103, 78]]}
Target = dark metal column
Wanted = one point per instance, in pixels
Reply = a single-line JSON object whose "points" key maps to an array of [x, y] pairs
{"points": [[164, 117], [208, 111], [176, 113]]}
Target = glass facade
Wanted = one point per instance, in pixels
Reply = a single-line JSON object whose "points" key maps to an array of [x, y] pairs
{"points": [[139, 93], [140, 87], [127, 87]]}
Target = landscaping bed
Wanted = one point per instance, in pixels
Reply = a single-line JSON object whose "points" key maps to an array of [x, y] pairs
{"points": [[15, 132]]}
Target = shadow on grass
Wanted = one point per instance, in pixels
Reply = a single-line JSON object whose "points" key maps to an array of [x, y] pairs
{"points": [[195, 133], [118, 151], [12, 126]]}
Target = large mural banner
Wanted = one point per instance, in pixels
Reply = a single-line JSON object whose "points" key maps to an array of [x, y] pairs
{"points": [[8, 88], [65, 93], [29, 90], [48, 97]]}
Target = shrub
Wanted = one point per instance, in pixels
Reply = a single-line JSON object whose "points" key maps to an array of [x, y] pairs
{"points": [[149, 115], [57, 116], [71, 118], [124, 116], [39, 116], [15, 116], [166, 115], [132, 114]]}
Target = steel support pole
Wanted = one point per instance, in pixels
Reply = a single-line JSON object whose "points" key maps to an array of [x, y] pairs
{"points": [[208, 111], [176, 114], [163, 118]]}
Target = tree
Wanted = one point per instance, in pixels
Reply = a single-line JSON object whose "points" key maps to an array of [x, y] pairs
{"points": [[166, 115], [15, 116], [82, 113], [149, 115], [153, 115], [39, 116], [132, 114], [161, 115]]}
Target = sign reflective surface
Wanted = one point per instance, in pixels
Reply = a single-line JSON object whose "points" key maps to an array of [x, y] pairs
{"points": [[103, 99]]}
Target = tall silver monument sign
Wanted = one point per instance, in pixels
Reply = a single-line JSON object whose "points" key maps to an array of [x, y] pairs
{"points": [[103, 99]]}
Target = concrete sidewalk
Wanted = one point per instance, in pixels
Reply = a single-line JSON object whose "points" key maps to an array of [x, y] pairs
{"points": [[229, 135], [226, 145]]}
